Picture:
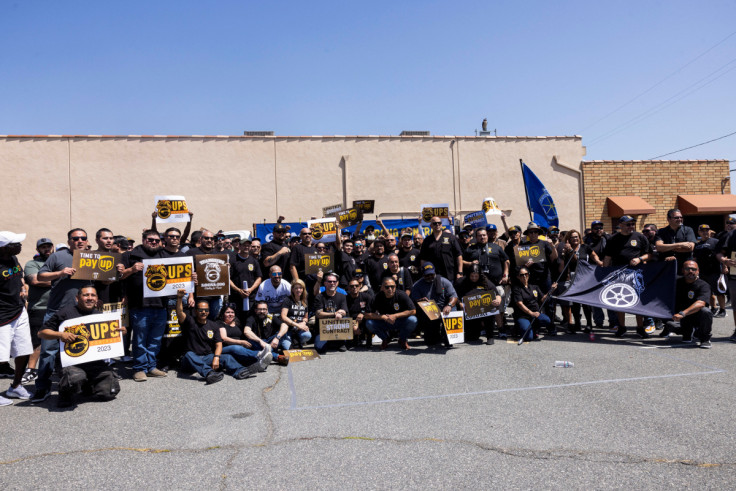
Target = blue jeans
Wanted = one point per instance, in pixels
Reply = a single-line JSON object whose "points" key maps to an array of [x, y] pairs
{"points": [[203, 364], [383, 329], [242, 355], [47, 358], [304, 337], [523, 324], [150, 324]]}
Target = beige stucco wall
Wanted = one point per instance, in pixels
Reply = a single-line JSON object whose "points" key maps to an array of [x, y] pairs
{"points": [[59, 182]]}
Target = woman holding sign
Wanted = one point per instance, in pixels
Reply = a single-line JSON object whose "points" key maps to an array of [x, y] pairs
{"points": [[527, 300], [474, 281]]}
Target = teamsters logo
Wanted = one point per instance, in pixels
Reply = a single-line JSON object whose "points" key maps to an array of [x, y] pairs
{"points": [[156, 277], [212, 272], [164, 209], [623, 288], [79, 346]]}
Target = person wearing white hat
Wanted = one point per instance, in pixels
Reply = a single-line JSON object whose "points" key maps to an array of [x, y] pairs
{"points": [[15, 331]]}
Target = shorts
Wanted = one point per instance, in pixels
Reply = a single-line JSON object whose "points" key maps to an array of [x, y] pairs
{"points": [[15, 338]]}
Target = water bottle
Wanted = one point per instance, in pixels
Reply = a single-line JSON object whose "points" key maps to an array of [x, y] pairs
{"points": [[564, 364]]}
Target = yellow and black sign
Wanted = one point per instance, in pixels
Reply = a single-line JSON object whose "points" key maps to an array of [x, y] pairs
{"points": [[314, 263], [524, 253], [171, 209], [165, 276], [90, 335], [331, 211], [349, 217], [301, 354], [430, 308], [479, 303], [323, 230], [435, 211], [365, 205], [95, 265]]}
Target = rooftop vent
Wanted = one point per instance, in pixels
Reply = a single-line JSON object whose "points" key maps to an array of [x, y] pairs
{"points": [[414, 133], [258, 133]]}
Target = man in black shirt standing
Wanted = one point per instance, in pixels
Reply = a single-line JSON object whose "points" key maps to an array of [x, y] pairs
{"points": [[376, 263], [675, 241], [442, 249], [244, 268], [691, 303], [296, 259], [277, 252], [409, 255]]}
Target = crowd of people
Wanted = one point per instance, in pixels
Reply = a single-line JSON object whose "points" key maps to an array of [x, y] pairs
{"points": [[377, 280]]}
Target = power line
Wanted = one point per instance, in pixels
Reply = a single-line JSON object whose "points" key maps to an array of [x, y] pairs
{"points": [[698, 145], [660, 82]]}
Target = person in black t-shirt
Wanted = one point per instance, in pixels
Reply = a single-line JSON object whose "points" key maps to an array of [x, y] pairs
{"points": [[704, 254], [204, 345], [330, 304], [375, 265], [234, 342], [277, 252], [296, 258], [409, 255], [244, 268], [443, 250], [527, 300], [295, 315], [391, 310], [572, 253], [359, 303], [675, 241], [400, 274], [691, 303]]}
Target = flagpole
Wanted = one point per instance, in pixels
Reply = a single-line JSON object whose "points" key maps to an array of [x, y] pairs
{"points": [[526, 192]]}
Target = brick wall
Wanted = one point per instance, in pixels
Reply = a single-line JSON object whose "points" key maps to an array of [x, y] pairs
{"points": [[658, 182]]}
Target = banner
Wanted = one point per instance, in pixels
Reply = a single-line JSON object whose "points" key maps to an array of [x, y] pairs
{"points": [[647, 290], [264, 231], [346, 218], [479, 304], [477, 219], [95, 265], [454, 325], [314, 263], [336, 329], [331, 211], [97, 339], [323, 230], [213, 275], [430, 308], [164, 276], [490, 207], [524, 253], [365, 205], [538, 200], [170, 209], [118, 307]]}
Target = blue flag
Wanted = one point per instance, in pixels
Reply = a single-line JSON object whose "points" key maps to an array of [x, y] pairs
{"points": [[538, 199], [646, 290]]}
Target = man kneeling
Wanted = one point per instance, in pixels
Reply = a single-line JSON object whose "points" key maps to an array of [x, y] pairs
{"points": [[691, 301], [94, 377], [204, 345]]}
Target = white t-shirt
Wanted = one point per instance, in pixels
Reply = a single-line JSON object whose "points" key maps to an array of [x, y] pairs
{"points": [[274, 296]]}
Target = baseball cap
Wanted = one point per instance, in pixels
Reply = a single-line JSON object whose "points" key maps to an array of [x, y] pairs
{"points": [[7, 237], [61, 246], [595, 222], [704, 226], [554, 228], [491, 226], [515, 229], [428, 268], [358, 272], [625, 219], [407, 232], [731, 220], [43, 241]]}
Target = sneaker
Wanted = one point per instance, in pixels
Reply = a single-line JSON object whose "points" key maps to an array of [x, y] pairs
{"points": [[666, 332], [620, 332], [140, 376], [706, 345], [282, 360], [642, 333], [156, 373], [263, 363], [720, 314], [245, 372], [343, 347], [29, 377], [40, 395], [6, 371], [19, 392], [5, 401], [213, 377]]}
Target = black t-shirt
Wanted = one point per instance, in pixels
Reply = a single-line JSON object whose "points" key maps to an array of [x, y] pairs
{"points": [[705, 255], [443, 253], [623, 248], [233, 332], [201, 339], [134, 282], [491, 259], [334, 303], [11, 284], [345, 265], [687, 294], [399, 302], [597, 245], [245, 269], [297, 257], [271, 248], [530, 297], [669, 236], [265, 328], [582, 254], [410, 260], [295, 311], [540, 270], [64, 314], [360, 304], [464, 286], [402, 278], [374, 269]]}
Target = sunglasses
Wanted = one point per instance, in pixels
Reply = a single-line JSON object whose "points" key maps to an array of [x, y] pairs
{"points": [[389, 287], [153, 241], [276, 275], [690, 269], [208, 238], [77, 239], [173, 236], [203, 310], [523, 274]]}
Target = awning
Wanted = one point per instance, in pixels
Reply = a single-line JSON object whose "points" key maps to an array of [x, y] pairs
{"points": [[619, 206], [706, 204]]}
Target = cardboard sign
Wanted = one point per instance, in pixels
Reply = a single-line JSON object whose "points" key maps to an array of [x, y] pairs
{"points": [[301, 354], [526, 252], [490, 207], [331, 211], [96, 339], [732, 269], [314, 263], [478, 304], [323, 230], [430, 308], [164, 276], [213, 275], [118, 307], [335, 329], [454, 327], [171, 209], [365, 205], [348, 218], [441, 210], [95, 265], [477, 219]]}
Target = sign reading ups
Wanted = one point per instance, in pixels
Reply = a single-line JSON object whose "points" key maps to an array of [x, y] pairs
{"points": [[170, 209]]}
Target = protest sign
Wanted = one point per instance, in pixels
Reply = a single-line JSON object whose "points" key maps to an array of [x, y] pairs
{"points": [[118, 307], [349, 217], [490, 207], [365, 205], [478, 304], [164, 276], [314, 263], [95, 265], [323, 230], [430, 308], [331, 211], [97, 339], [301, 354], [441, 210], [477, 219], [170, 209], [335, 329], [173, 328], [213, 275], [454, 325], [524, 253]]}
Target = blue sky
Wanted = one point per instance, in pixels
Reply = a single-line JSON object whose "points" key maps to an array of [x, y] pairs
{"points": [[347, 68]]}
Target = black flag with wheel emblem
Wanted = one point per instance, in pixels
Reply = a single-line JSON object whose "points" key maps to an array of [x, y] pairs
{"points": [[646, 290]]}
